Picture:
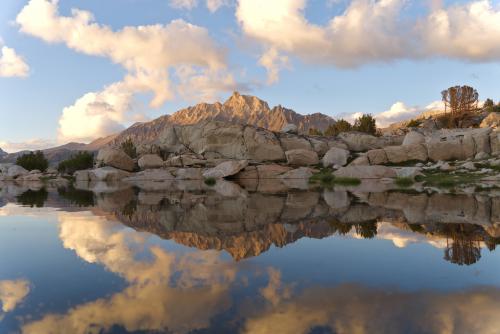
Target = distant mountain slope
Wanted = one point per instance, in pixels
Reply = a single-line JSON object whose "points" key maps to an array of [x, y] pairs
{"points": [[239, 109], [54, 154], [2, 153]]}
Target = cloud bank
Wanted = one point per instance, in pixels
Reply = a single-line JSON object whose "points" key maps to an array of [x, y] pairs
{"points": [[160, 59], [372, 31]]}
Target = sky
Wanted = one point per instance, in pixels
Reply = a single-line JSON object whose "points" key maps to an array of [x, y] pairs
{"points": [[73, 71]]}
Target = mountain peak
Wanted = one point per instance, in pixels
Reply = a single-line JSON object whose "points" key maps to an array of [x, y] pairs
{"points": [[2, 153], [237, 109], [240, 102]]}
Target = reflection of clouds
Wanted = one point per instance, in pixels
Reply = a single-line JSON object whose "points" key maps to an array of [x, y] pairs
{"points": [[183, 292], [402, 237], [140, 307], [357, 309], [11, 209], [275, 291], [12, 293], [167, 291]]}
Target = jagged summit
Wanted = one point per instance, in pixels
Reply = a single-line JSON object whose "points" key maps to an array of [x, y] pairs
{"points": [[248, 109], [237, 109]]}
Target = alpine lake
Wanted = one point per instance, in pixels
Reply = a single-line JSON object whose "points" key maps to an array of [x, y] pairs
{"points": [[247, 258]]}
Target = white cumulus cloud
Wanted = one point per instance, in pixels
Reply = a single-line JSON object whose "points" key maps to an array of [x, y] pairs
{"points": [[400, 111], [372, 31], [149, 54], [11, 64]]}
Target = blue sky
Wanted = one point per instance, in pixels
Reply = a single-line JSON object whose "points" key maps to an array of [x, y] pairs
{"points": [[338, 57]]}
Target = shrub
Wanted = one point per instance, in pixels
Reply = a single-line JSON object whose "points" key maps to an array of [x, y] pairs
{"points": [[315, 132], [80, 161], [366, 124], [340, 126], [129, 148], [413, 123], [488, 103], [33, 160], [493, 108], [210, 181]]}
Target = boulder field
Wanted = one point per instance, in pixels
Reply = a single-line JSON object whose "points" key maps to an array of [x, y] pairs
{"points": [[212, 149], [218, 150]]}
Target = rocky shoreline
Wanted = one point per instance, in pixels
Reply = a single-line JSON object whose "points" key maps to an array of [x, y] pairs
{"points": [[217, 151]]}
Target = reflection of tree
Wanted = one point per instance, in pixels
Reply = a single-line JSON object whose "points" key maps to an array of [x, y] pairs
{"points": [[340, 228], [465, 248], [130, 208], [77, 196], [366, 230], [416, 228], [492, 243], [33, 198]]}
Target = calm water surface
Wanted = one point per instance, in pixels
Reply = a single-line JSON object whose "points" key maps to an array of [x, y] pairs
{"points": [[192, 260]]}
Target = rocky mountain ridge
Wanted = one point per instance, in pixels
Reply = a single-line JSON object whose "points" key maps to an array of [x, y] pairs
{"points": [[237, 109]]}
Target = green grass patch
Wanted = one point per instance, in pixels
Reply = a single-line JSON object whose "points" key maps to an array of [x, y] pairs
{"points": [[347, 181], [447, 180], [210, 181], [325, 178], [404, 182], [480, 165], [408, 163], [47, 178]]}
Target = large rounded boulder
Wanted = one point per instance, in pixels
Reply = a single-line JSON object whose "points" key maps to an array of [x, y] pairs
{"points": [[115, 158]]}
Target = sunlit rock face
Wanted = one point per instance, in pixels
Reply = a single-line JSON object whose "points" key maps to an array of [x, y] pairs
{"points": [[238, 109]]}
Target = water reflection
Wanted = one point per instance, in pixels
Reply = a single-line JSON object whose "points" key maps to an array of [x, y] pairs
{"points": [[181, 293], [171, 289], [33, 198], [246, 224]]}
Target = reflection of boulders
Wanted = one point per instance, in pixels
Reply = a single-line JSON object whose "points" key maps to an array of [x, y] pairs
{"points": [[245, 221], [248, 223]]}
